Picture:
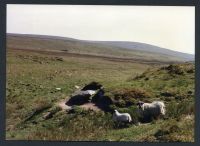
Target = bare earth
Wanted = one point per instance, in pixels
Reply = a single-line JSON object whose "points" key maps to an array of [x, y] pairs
{"points": [[86, 106], [63, 105]]}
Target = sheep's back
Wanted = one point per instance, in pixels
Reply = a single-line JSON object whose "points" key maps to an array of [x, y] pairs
{"points": [[152, 110], [124, 117], [121, 117]]}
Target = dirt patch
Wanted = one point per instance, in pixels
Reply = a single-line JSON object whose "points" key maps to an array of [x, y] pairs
{"points": [[86, 106], [63, 106], [90, 106]]}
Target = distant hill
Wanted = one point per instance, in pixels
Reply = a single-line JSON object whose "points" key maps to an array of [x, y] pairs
{"points": [[147, 48], [131, 50]]}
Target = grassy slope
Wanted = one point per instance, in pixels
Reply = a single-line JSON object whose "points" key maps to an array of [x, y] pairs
{"points": [[32, 79], [177, 91], [76, 46], [30, 83]]}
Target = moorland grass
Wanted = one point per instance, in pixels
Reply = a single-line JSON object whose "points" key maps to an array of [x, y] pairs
{"points": [[32, 80]]}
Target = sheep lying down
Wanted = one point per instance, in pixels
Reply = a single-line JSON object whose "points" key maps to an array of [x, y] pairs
{"points": [[121, 117]]}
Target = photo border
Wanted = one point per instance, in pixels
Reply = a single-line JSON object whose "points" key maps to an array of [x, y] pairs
{"points": [[3, 3]]}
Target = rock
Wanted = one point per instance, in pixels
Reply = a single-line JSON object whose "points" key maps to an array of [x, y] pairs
{"points": [[59, 58], [166, 94], [79, 97], [48, 115], [58, 89], [77, 87], [92, 86], [189, 92]]}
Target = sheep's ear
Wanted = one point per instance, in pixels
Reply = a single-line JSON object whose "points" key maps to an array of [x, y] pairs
{"points": [[140, 103]]}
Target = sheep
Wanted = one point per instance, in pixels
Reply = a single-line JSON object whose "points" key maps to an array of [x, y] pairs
{"points": [[121, 117], [151, 110]]}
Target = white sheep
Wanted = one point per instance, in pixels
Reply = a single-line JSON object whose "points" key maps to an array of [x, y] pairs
{"points": [[154, 109], [121, 117]]}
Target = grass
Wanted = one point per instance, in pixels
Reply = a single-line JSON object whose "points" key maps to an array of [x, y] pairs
{"points": [[134, 133], [32, 79]]}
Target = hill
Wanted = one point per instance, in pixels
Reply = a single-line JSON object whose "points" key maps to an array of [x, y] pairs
{"points": [[106, 49], [147, 48]]}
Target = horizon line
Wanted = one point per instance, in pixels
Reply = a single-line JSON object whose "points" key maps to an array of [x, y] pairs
{"points": [[98, 41]]}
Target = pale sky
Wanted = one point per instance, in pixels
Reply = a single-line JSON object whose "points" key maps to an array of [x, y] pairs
{"points": [[169, 27]]}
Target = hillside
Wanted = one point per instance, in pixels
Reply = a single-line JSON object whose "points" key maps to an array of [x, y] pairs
{"points": [[147, 48], [31, 93], [106, 49]]}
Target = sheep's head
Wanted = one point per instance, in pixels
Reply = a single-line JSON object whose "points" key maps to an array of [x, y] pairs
{"points": [[116, 112], [139, 104]]}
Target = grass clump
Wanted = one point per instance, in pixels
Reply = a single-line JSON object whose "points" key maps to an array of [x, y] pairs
{"points": [[174, 69], [91, 125], [128, 97], [51, 112], [176, 110], [77, 110], [176, 131], [40, 108]]}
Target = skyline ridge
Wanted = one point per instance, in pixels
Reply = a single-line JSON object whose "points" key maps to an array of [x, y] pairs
{"points": [[95, 41]]}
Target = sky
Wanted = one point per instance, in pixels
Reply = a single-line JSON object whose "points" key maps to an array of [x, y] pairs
{"points": [[171, 27]]}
